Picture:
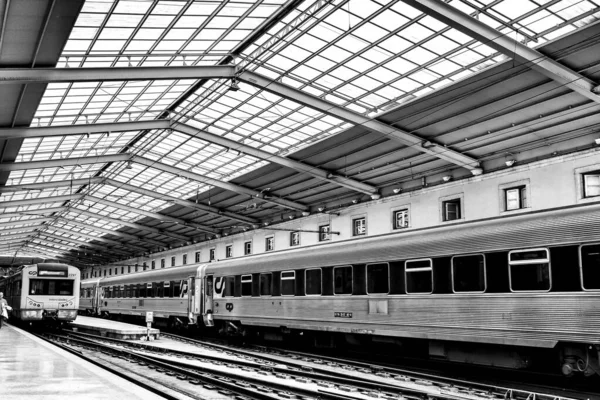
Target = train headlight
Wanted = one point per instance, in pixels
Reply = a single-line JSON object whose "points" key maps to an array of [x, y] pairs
{"points": [[31, 314], [67, 314]]}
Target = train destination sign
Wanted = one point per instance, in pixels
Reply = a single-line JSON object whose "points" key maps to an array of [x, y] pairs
{"points": [[342, 314]]}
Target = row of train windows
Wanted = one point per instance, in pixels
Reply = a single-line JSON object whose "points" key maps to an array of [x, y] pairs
{"points": [[168, 289], [528, 270]]}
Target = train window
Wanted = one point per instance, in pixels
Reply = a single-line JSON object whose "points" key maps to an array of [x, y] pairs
{"points": [[211, 254], [197, 256], [419, 276], [167, 290], [468, 273], [122, 270], [184, 259], [246, 285], [142, 288], [342, 280], [153, 264], [176, 288], [288, 283], [266, 284], [149, 290], [173, 261], [529, 270], [160, 290], [229, 251], [51, 287], [401, 218], [229, 289], [162, 262], [247, 248], [378, 278], [313, 285], [129, 269], [589, 262]]}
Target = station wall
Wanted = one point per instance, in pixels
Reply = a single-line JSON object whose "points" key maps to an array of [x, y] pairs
{"points": [[541, 185]]}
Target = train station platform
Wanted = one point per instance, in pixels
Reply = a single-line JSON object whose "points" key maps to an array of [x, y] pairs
{"points": [[33, 369], [112, 329]]}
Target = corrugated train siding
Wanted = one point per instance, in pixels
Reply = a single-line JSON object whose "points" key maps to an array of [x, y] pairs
{"points": [[511, 319], [567, 226]]}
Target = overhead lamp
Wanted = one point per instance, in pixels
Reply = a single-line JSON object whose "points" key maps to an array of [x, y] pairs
{"points": [[397, 190], [233, 86], [265, 223], [477, 171], [446, 178], [129, 165], [321, 209], [597, 141], [509, 163], [375, 196], [305, 213], [354, 201], [291, 217]]}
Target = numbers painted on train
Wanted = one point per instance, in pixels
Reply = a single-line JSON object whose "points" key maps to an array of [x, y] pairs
{"points": [[340, 314]]}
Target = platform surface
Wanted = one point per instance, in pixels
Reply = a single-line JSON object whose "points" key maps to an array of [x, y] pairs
{"points": [[35, 370], [111, 328]]}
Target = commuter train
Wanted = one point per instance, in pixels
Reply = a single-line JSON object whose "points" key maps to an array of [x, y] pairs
{"points": [[507, 291], [43, 292]]}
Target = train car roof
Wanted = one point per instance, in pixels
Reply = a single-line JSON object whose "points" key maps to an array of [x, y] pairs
{"points": [[166, 274], [570, 225]]}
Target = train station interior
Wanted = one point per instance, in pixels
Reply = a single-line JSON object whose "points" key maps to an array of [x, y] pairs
{"points": [[438, 159]]}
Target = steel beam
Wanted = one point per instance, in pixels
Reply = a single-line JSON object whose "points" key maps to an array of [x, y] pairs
{"points": [[25, 222], [56, 75], [503, 43], [131, 224], [49, 185], [286, 162], [160, 217], [182, 202], [63, 162], [66, 130], [29, 228], [84, 244], [408, 139], [215, 182], [41, 211], [111, 232], [97, 238], [40, 200]]}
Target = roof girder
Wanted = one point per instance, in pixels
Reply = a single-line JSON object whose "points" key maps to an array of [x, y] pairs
{"points": [[510, 47], [160, 217], [98, 238], [66, 130], [84, 243], [252, 78], [25, 222], [284, 161]]}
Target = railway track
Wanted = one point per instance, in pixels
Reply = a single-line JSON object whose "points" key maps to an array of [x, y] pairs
{"points": [[242, 373]]}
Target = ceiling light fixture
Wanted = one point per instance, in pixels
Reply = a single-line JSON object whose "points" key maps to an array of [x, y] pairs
{"points": [[305, 213], [509, 163], [397, 190], [597, 141], [477, 171], [233, 86], [354, 201], [446, 178], [321, 209], [375, 196]]}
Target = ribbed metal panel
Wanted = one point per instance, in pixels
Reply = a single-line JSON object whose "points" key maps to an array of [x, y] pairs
{"points": [[523, 320], [564, 226]]}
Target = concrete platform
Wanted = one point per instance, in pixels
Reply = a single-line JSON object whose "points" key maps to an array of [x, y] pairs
{"points": [[35, 370], [112, 329]]}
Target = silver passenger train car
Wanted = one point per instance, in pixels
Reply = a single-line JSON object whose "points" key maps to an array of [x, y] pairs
{"points": [[43, 292], [501, 291]]}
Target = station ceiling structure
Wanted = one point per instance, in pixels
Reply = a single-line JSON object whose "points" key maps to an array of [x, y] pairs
{"points": [[130, 126]]}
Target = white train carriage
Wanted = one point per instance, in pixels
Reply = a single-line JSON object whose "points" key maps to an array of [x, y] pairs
{"points": [[169, 293], [493, 292], [41, 292]]}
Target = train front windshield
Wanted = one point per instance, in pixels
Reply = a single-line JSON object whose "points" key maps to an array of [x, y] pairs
{"points": [[50, 287]]}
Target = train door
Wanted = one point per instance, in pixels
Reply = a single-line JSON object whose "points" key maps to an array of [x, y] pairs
{"points": [[191, 298], [207, 300]]}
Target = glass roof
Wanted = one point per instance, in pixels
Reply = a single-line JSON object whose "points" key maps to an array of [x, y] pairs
{"points": [[365, 55]]}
